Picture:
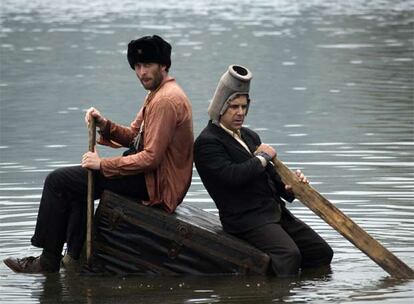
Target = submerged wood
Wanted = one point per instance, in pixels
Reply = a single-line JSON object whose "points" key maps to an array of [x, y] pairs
{"points": [[133, 238], [344, 225]]}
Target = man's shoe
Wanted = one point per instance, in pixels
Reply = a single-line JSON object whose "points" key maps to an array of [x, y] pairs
{"points": [[28, 265], [25, 265], [71, 264]]}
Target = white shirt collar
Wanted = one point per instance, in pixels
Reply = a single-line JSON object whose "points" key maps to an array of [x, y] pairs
{"points": [[235, 134]]}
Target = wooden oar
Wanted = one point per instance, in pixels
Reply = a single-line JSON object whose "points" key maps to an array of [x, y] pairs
{"points": [[344, 225], [90, 200]]}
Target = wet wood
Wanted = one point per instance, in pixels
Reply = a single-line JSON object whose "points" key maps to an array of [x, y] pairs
{"points": [[90, 200], [133, 238], [344, 225]]}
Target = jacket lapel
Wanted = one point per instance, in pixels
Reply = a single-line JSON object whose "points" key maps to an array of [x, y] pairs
{"points": [[231, 141], [248, 140]]}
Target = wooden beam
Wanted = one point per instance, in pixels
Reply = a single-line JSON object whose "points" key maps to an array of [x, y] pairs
{"points": [[344, 225], [90, 196]]}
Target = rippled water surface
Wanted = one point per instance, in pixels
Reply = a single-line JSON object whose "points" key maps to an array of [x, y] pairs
{"points": [[332, 91]]}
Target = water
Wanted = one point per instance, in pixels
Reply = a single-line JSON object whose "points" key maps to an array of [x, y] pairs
{"points": [[332, 91]]}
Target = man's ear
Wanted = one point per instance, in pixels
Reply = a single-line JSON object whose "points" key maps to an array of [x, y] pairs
{"points": [[163, 67]]}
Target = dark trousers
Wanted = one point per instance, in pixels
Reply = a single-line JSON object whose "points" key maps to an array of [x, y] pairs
{"points": [[62, 211], [291, 245]]}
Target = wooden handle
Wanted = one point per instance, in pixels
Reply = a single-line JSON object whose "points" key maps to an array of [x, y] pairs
{"points": [[90, 196], [343, 224]]}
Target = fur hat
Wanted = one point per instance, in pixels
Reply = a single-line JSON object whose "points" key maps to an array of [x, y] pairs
{"points": [[235, 81], [149, 49]]}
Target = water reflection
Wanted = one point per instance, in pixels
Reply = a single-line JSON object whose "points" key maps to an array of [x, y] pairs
{"points": [[68, 287], [187, 289]]}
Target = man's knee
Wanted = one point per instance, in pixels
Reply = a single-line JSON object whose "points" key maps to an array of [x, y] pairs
{"points": [[52, 179], [62, 177], [322, 256], [57, 177]]}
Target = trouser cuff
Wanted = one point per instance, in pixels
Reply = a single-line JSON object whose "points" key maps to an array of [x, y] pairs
{"points": [[50, 261]]}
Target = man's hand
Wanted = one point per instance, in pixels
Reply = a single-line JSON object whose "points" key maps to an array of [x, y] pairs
{"points": [[302, 178], [266, 149], [100, 120], [91, 160]]}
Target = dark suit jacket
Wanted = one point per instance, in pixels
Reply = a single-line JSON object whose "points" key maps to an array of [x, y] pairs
{"points": [[246, 194]]}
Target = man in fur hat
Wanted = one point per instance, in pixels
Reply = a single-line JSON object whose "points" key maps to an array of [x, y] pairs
{"points": [[235, 168], [156, 170]]}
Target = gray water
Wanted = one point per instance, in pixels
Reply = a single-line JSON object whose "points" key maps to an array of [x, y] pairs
{"points": [[332, 92]]}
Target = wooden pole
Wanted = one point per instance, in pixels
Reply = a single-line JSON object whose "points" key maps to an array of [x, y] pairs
{"points": [[344, 225], [90, 200]]}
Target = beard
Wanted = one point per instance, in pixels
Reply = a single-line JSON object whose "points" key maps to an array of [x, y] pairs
{"points": [[153, 82]]}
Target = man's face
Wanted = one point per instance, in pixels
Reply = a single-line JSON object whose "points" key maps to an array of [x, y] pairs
{"points": [[151, 74], [234, 116]]}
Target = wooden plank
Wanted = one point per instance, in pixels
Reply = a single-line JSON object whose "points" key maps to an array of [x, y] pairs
{"points": [[344, 225], [90, 200]]}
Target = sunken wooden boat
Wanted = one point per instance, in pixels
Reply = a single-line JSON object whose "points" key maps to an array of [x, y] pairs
{"points": [[131, 238]]}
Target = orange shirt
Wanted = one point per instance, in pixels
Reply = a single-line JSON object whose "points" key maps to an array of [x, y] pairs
{"points": [[167, 155]]}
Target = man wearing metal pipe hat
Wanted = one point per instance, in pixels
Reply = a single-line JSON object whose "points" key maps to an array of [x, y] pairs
{"points": [[156, 170], [235, 168]]}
